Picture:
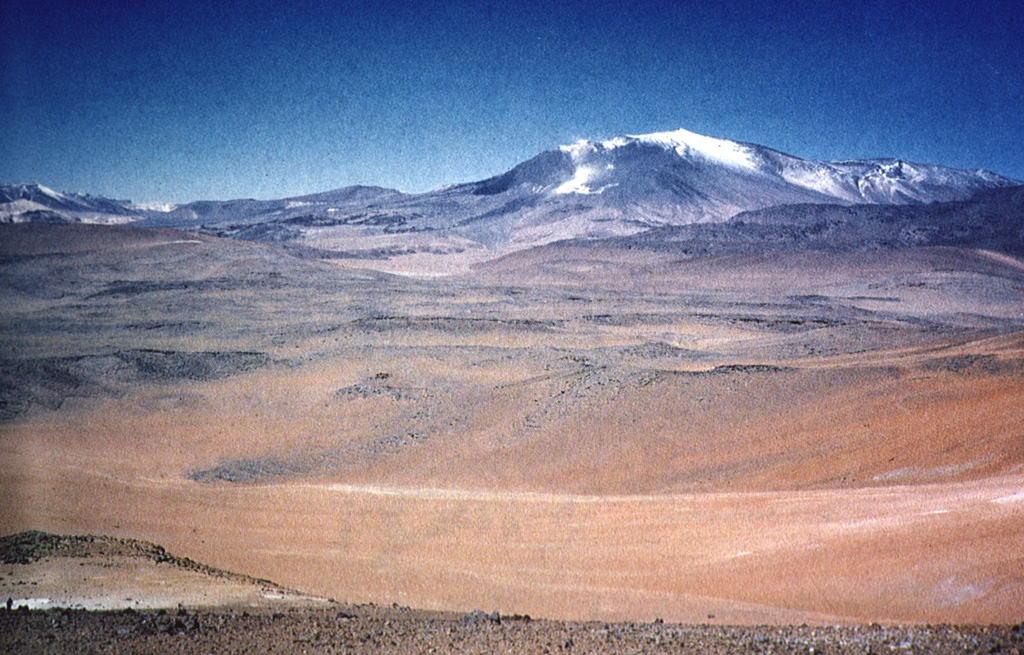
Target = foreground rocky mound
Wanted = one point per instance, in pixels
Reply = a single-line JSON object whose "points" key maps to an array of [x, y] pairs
{"points": [[34, 545], [43, 570]]}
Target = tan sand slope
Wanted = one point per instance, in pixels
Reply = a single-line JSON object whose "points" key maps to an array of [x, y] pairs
{"points": [[803, 439]]}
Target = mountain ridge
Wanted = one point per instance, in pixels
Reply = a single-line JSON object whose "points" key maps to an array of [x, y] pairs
{"points": [[613, 188], [990, 220]]}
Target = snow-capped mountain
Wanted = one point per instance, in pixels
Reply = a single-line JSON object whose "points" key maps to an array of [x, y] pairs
{"points": [[22, 203], [680, 177], [680, 154], [590, 189], [587, 190]]}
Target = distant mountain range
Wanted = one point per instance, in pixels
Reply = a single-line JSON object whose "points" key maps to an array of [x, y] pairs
{"points": [[35, 203], [622, 187]]}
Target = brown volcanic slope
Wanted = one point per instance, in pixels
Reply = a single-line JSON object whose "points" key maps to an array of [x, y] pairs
{"points": [[569, 432]]}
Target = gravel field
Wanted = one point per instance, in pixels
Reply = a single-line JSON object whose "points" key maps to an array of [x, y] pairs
{"points": [[370, 629]]}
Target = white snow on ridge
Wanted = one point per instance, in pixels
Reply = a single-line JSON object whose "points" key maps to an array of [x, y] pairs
{"points": [[10, 211], [847, 182], [719, 151], [164, 207], [580, 180], [50, 192], [824, 180], [576, 150], [106, 219], [684, 142], [873, 181]]}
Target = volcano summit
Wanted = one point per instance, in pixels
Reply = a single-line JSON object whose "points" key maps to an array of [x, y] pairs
{"points": [[587, 190]]}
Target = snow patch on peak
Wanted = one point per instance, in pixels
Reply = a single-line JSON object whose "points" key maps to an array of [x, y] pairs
{"points": [[690, 144], [45, 190], [581, 148], [163, 207], [579, 182], [685, 143]]}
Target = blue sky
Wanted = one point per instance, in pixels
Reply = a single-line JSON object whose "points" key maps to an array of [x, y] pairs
{"points": [[165, 101]]}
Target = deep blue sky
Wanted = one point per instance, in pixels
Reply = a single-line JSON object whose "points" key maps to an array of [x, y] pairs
{"points": [[175, 101]]}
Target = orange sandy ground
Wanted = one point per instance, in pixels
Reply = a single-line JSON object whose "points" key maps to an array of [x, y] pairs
{"points": [[890, 501], [867, 486]]}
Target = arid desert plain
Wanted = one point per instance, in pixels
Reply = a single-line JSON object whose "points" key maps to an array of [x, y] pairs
{"points": [[579, 433]]}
